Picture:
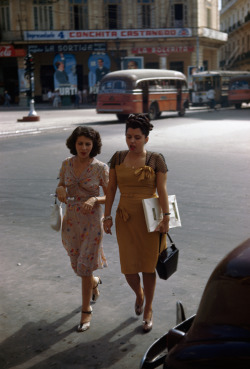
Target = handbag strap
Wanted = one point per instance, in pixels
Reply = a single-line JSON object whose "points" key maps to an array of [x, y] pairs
{"points": [[170, 239]]}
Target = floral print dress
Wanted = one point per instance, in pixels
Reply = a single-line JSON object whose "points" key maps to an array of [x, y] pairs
{"points": [[82, 234]]}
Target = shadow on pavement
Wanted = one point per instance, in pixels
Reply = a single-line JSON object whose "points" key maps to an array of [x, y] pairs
{"points": [[32, 341]]}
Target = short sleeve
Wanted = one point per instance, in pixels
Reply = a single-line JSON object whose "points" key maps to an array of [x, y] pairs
{"points": [[61, 176], [65, 164], [105, 175], [117, 159], [112, 162], [157, 162], [160, 165]]}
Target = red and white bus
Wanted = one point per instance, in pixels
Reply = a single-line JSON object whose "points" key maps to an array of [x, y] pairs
{"points": [[239, 91], [149, 91], [219, 80]]}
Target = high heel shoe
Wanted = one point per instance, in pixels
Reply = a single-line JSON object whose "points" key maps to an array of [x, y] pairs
{"points": [[139, 308], [96, 294], [147, 324], [82, 327]]}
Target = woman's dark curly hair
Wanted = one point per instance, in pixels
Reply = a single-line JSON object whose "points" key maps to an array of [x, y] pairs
{"points": [[139, 121], [86, 132]]}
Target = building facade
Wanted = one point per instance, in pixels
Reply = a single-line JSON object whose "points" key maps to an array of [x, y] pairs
{"points": [[235, 20], [74, 42]]}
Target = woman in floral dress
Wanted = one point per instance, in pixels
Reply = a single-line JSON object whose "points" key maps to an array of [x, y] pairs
{"points": [[79, 188], [138, 174]]}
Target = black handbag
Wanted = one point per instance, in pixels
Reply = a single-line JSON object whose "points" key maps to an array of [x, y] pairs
{"points": [[167, 260]]}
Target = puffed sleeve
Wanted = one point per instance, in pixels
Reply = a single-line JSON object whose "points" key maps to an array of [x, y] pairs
{"points": [[62, 173], [114, 160], [160, 164], [61, 177], [105, 175]]}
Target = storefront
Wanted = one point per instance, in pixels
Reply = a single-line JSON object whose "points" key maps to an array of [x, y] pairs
{"points": [[9, 71], [72, 61]]}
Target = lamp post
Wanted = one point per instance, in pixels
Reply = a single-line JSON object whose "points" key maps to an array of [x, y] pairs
{"points": [[117, 45], [197, 49]]}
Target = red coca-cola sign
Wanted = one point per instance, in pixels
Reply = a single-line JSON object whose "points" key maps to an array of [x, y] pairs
{"points": [[8, 51]]}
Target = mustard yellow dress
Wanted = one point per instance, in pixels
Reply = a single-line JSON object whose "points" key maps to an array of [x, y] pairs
{"points": [[138, 248]]}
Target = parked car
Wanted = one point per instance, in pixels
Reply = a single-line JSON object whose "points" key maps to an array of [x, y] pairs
{"points": [[218, 336]]}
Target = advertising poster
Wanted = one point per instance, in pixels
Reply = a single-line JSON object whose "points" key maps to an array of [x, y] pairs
{"points": [[191, 71], [99, 65], [133, 62], [65, 77]]}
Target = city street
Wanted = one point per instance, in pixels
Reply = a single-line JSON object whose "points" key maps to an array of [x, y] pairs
{"points": [[208, 155]]}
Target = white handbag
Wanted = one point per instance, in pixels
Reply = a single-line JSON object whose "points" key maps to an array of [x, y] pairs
{"points": [[56, 216]]}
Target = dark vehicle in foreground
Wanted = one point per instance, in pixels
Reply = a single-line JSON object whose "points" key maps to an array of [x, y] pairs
{"points": [[218, 336]]}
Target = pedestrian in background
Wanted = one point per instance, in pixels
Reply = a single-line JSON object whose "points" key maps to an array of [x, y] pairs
{"points": [[211, 97], [57, 99], [82, 231], [7, 98], [138, 174], [50, 97]]}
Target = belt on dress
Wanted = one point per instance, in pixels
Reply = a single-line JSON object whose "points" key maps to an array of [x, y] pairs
{"points": [[138, 195], [122, 211]]}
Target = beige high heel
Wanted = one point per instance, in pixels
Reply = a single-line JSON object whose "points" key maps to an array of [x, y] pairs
{"points": [[147, 324], [96, 294], [82, 327]]}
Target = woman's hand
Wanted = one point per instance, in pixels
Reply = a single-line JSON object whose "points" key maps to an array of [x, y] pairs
{"points": [[107, 225], [61, 194], [88, 205], [163, 226]]}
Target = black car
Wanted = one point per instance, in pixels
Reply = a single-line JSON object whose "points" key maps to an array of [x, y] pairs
{"points": [[218, 336]]}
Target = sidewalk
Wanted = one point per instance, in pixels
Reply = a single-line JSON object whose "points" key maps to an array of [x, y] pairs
{"points": [[50, 118], [53, 118]]}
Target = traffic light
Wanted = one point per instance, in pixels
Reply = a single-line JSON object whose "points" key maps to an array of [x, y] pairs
{"points": [[29, 65]]}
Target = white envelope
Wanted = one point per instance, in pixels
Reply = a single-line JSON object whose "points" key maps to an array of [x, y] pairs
{"points": [[153, 212]]}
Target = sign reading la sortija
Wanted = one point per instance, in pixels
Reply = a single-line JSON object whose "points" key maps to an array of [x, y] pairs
{"points": [[63, 48]]}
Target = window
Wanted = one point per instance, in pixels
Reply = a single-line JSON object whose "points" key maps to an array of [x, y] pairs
{"points": [[43, 15], [178, 15], [78, 14], [146, 13], [113, 15], [4, 15], [209, 18], [177, 65], [113, 86]]}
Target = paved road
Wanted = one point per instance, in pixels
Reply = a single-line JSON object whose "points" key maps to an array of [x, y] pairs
{"points": [[208, 155]]}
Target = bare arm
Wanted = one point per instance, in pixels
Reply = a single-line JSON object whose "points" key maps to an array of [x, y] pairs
{"points": [[161, 185], [110, 196], [61, 192]]}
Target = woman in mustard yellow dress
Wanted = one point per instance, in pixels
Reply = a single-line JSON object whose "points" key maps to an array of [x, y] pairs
{"points": [[138, 174]]}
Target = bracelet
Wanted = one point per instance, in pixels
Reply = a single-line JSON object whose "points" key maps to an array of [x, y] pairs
{"points": [[108, 217], [166, 214]]}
